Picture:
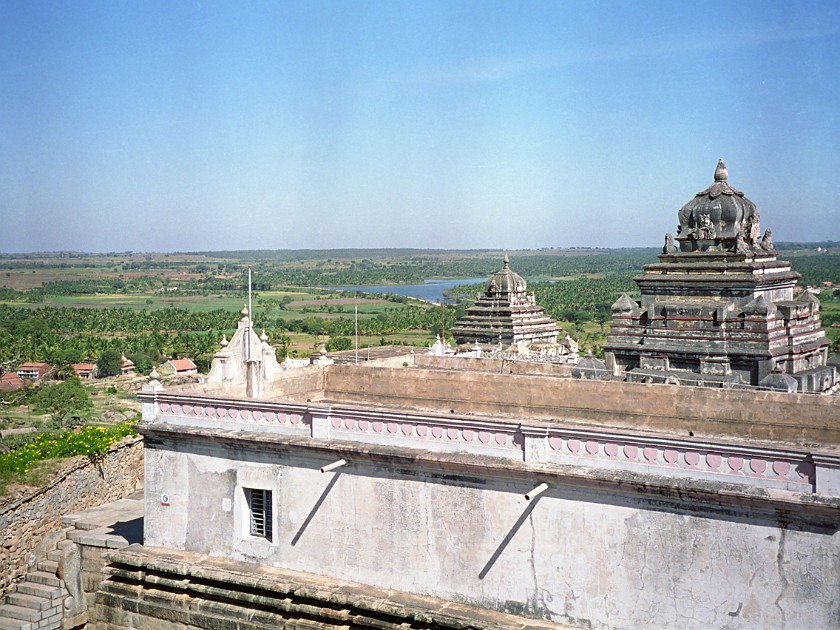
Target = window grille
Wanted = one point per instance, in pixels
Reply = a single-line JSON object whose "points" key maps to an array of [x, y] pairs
{"points": [[259, 506]]}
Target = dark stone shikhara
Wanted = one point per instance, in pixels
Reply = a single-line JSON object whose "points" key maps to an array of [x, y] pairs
{"points": [[718, 308], [505, 314]]}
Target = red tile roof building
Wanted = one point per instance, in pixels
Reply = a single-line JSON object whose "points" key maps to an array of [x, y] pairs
{"points": [[183, 366], [33, 371], [10, 382], [85, 370]]}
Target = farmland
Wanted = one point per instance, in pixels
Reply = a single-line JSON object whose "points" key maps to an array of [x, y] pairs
{"points": [[66, 308]]}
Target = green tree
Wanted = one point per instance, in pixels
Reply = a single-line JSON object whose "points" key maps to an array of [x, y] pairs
{"points": [[339, 343], [62, 400], [109, 363]]}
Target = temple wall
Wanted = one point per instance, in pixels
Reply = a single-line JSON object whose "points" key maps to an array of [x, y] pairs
{"points": [[585, 552], [761, 415], [494, 366], [298, 383]]}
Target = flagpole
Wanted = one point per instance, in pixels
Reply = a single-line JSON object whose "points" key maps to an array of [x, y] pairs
{"points": [[357, 332], [250, 313]]}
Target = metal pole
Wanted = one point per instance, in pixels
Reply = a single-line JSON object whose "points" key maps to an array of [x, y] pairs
{"points": [[357, 332], [250, 313], [443, 320]]}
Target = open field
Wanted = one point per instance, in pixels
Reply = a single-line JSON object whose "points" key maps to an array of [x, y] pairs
{"points": [[204, 292]]}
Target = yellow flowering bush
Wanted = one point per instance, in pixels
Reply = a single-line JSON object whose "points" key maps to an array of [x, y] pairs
{"points": [[88, 440]]}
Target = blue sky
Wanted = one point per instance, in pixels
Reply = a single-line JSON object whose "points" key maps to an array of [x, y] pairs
{"points": [[161, 126]]}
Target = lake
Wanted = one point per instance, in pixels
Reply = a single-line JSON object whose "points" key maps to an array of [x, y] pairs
{"points": [[430, 290]]}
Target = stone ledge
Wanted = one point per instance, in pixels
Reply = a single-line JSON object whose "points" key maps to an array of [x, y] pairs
{"points": [[684, 493], [231, 594]]}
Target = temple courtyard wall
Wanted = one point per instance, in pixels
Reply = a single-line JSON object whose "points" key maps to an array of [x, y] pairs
{"points": [[589, 504], [595, 550], [509, 389]]}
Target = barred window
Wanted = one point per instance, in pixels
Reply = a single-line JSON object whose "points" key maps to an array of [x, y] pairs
{"points": [[259, 507]]}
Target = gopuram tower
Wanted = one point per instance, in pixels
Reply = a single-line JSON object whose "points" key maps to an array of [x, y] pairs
{"points": [[718, 308], [505, 314]]}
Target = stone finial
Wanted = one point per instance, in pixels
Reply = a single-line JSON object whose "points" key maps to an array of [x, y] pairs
{"points": [[263, 336], [506, 261], [721, 174], [224, 341], [244, 310], [323, 350], [669, 247], [154, 374]]}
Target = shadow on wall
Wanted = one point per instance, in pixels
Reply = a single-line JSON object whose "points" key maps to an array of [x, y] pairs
{"points": [[131, 530], [315, 508], [526, 513]]}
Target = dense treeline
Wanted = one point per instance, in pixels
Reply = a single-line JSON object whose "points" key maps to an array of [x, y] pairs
{"points": [[268, 275], [583, 299], [63, 336], [115, 319], [392, 321], [817, 268]]}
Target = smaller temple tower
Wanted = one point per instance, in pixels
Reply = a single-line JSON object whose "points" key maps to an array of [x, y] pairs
{"points": [[246, 359], [505, 314], [718, 308]]}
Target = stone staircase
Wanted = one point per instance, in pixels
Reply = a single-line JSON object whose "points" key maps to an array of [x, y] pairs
{"points": [[38, 601]]}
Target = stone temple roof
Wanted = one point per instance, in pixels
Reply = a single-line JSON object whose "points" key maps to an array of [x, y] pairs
{"points": [[779, 381], [504, 282], [720, 218], [505, 313]]}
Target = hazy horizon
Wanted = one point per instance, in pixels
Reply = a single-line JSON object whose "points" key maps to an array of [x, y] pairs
{"points": [[212, 126]]}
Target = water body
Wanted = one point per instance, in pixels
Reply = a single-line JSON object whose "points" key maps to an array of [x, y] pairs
{"points": [[430, 290]]}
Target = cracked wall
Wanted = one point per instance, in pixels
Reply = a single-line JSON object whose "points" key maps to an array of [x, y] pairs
{"points": [[574, 556]]}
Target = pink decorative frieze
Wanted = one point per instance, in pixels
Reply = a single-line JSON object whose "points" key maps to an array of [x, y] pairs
{"points": [[556, 443], [676, 457], [400, 428], [238, 415]]}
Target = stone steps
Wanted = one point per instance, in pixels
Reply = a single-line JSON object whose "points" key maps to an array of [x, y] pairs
{"points": [[42, 577], [11, 611], [48, 566], [28, 601], [38, 601], [15, 624], [39, 590]]}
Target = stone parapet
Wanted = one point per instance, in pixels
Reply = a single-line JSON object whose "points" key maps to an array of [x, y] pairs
{"points": [[739, 415], [712, 493], [753, 463]]}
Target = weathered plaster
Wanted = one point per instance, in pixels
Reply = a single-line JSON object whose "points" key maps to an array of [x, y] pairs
{"points": [[613, 560]]}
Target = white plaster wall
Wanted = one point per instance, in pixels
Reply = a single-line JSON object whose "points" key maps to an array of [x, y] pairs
{"points": [[572, 556]]}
